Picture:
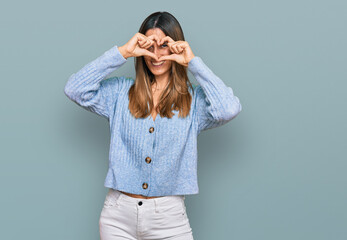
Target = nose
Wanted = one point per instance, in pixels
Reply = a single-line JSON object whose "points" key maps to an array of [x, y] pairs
{"points": [[156, 50]]}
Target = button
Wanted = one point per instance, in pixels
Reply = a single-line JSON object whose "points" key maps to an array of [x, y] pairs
{"points": [[144, 185], [148, 159], [151, 129], [140, 203]]}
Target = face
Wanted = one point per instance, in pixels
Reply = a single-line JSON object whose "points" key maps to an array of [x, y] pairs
{"points": [[162, 70]]}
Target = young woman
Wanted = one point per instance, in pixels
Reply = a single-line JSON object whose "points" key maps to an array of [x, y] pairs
{"points": [[154, 122]]}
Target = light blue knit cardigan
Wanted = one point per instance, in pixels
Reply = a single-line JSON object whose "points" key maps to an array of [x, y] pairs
{"points": [[152, 158]]}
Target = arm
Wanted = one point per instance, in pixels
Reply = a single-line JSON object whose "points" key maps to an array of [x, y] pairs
{"points": [[89, 88], [215, 103]]}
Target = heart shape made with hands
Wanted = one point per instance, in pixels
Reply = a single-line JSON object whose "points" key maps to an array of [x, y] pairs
{"points": [[181, 51]]}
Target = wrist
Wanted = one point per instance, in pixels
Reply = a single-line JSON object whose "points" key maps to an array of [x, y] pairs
{"points": [[190, 58], [123, 52]]}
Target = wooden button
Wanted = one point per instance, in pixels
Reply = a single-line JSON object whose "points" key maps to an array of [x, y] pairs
{"points": [[148, 159], [144, 185], [151, 129]]}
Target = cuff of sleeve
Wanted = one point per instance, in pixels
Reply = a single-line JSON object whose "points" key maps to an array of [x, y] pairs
{"points": [[195, 65], [115, 56]]}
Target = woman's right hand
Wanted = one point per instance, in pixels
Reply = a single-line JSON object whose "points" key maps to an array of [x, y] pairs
{"points": [[137, 46]]}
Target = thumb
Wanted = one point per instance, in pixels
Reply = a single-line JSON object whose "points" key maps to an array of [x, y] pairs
{"points": [[150, 54], [171, 57]]}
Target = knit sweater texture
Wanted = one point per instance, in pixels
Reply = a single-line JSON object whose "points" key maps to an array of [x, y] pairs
{"points": [[151, 157]]}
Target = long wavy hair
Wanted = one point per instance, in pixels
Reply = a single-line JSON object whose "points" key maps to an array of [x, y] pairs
{"points": [[176, 95]]}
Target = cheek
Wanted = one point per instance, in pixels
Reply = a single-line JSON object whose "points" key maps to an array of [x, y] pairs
{"points": [[168, 64], [147, 61]]}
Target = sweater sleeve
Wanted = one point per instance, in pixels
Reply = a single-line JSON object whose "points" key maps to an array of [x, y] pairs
{"points": [[89, 87], [215, 103]]}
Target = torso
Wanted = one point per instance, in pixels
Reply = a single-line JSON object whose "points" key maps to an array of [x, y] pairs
{"points": [[154, 114]]}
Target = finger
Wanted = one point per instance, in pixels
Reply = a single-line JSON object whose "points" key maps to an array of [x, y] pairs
{"points": [[176, 48], [180, 48], [154, 37], [150, 54], [160, 41], [168, 39], [153, 41], [142, 42], [184, 45], [147, 44], [140, 38], [173, 48]]}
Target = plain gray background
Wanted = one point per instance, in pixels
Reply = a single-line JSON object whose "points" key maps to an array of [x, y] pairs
{"points": [[277, 171]]}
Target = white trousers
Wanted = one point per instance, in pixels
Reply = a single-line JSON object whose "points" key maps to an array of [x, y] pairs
{"points": [[125, 217]]}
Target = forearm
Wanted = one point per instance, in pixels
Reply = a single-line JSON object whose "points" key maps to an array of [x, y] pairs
{"points": [[223, 104], [87, 80]]}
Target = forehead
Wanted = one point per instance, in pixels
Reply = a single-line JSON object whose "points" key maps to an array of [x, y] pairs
{"points": [[155, 31]]}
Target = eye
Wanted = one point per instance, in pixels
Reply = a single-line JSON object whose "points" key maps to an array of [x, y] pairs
{"points": [[164, 45]]}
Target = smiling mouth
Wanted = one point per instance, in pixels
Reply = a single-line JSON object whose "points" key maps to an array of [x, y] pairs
{"points": [[158, 64]]}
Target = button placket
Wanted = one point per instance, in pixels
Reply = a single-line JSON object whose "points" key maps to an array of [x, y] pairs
{"points": [[148, 159]]}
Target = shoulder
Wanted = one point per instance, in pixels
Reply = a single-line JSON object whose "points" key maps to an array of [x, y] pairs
{"points": [[130, 80]]}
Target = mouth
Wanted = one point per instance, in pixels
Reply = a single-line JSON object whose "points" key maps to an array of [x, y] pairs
{"points": [[157, 64]]}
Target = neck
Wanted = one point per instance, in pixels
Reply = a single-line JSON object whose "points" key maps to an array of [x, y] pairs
{"points": [[161, 81]]}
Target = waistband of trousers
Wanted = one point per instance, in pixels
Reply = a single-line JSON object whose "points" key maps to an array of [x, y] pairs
{"points": [[157, 200]]}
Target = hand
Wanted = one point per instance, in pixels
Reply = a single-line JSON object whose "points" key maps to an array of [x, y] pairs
{"points": [[137, 46], [181, 49]]}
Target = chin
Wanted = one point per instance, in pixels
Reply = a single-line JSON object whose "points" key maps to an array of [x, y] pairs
{"points": [[158, 72]]}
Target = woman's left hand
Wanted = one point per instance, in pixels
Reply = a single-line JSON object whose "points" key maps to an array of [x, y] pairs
{"points": [[182, 53]]}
